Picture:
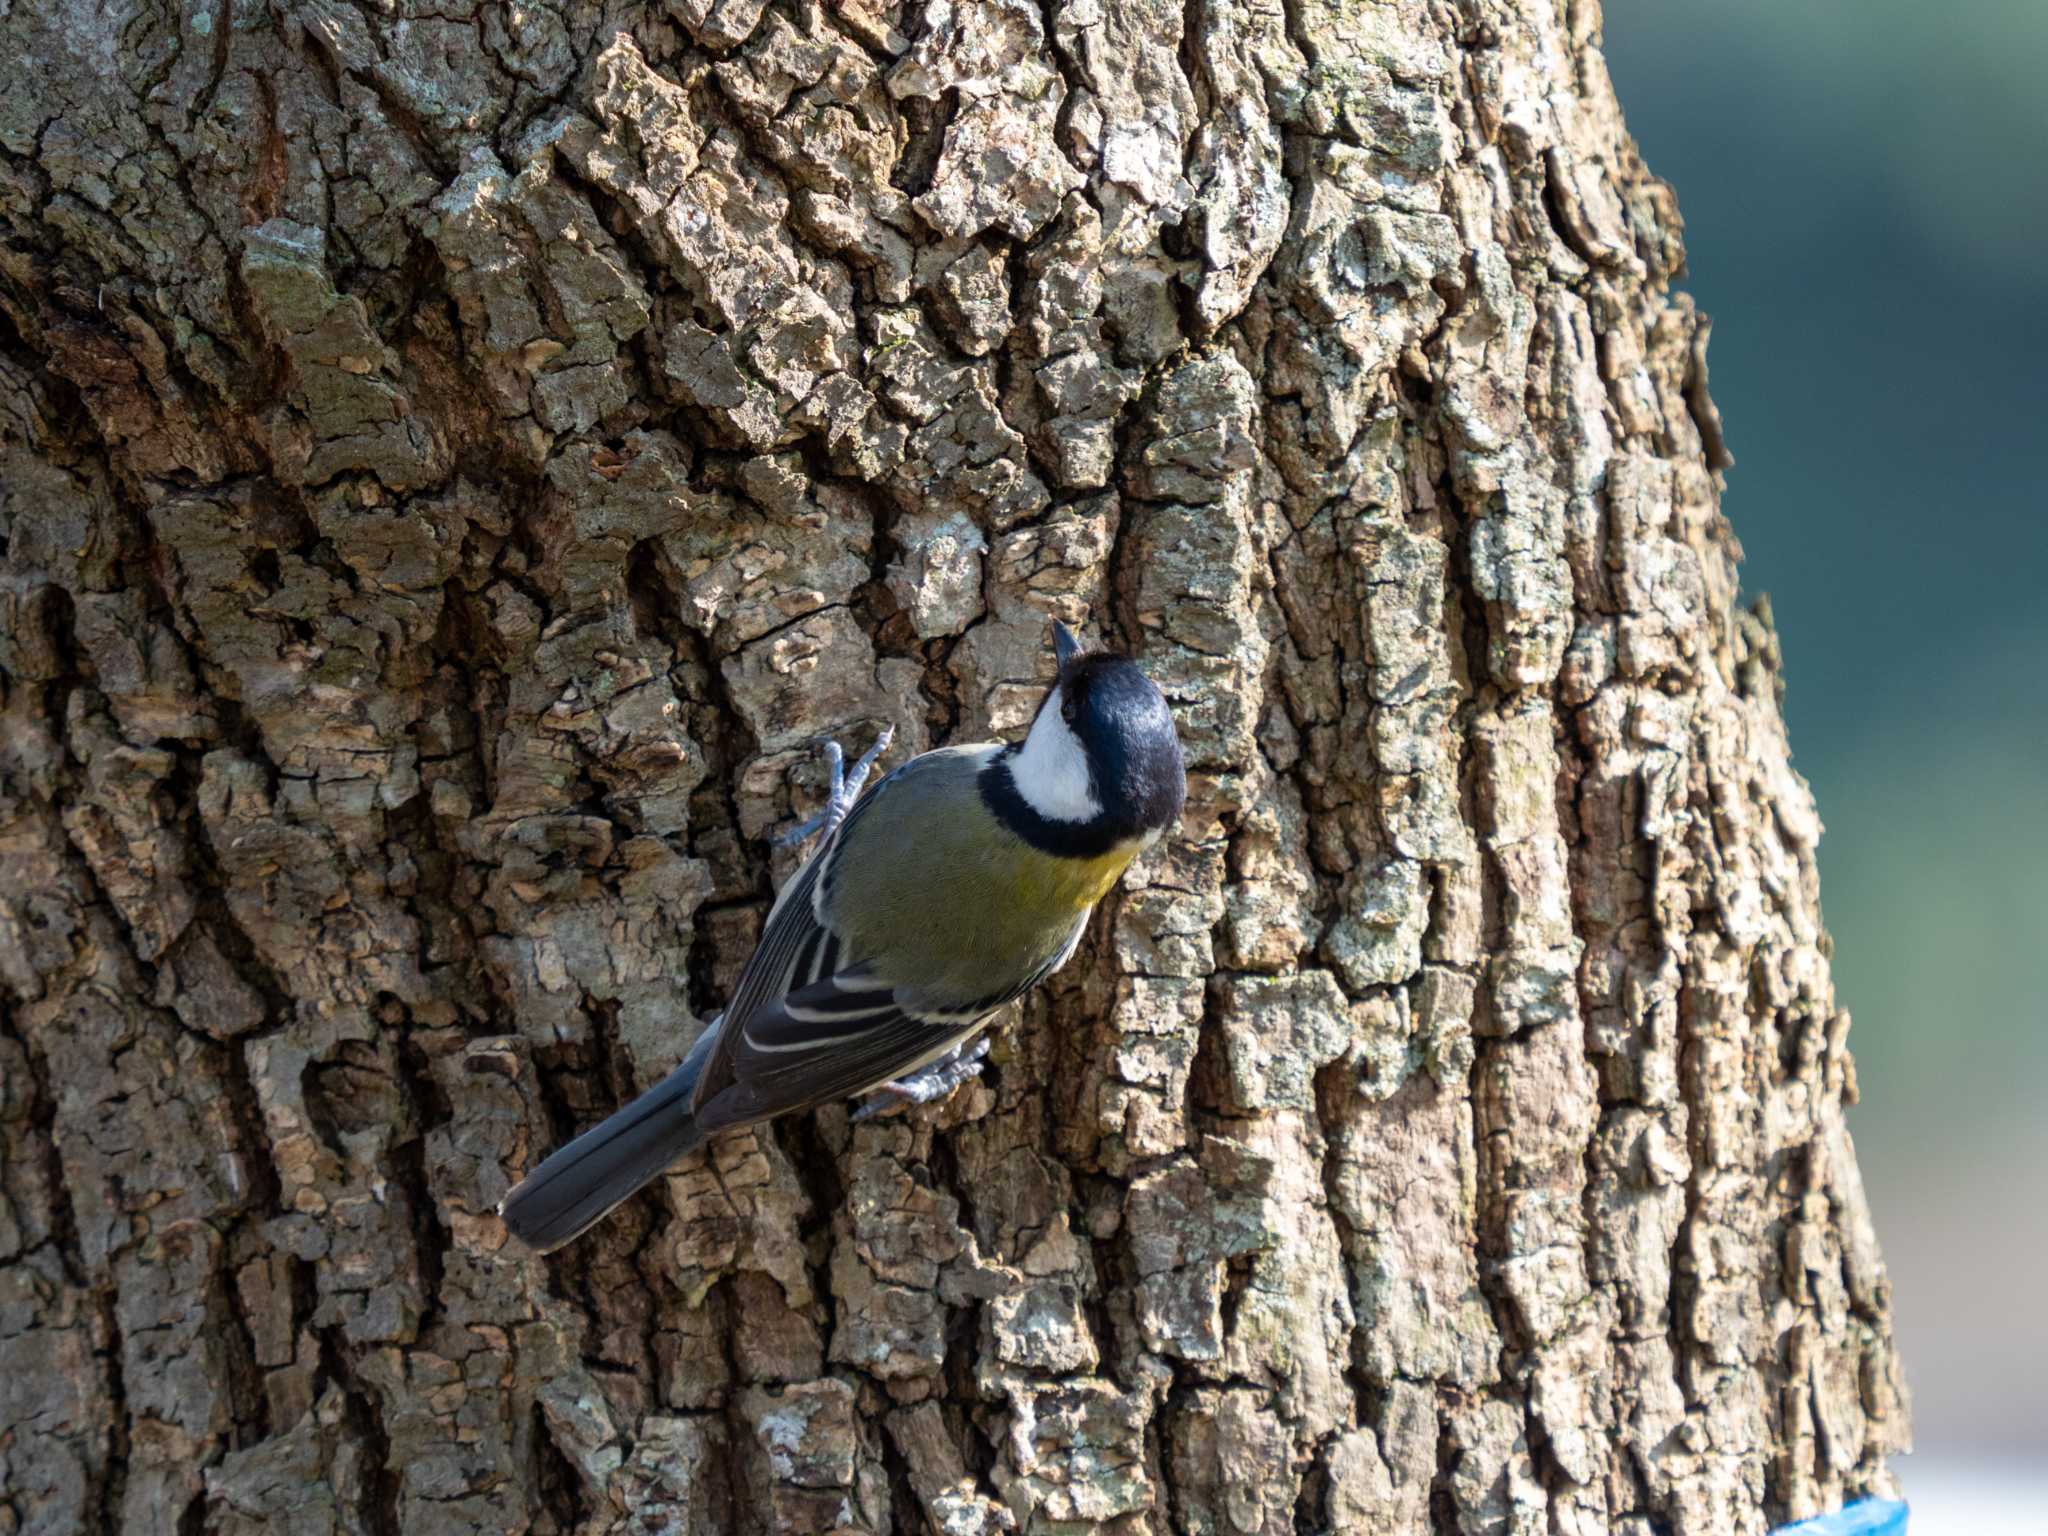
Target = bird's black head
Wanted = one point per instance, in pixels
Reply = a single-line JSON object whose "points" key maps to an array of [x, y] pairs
{"points": [[1126, 732], [1101, 766]]}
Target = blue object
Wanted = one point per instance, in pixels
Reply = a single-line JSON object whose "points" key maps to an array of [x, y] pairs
{"points": [[1873, 1517]]}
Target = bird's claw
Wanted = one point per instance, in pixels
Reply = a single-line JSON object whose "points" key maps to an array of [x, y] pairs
{"points": [[925, 1085], [846, 788]]}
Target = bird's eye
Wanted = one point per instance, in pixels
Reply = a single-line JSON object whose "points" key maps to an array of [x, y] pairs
{"points": [[1070, 709]]}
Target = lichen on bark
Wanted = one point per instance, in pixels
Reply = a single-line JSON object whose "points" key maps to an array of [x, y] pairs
{"points": [[454, 463]]}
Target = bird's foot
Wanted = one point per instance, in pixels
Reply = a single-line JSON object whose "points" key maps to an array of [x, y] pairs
{"points": [[927, 1084], [846, 788]]}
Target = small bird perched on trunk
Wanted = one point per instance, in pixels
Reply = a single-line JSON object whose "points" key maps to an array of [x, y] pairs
{"points": [[961, 881]]}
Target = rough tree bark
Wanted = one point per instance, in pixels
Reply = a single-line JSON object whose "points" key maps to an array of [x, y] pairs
{"points": [[459, 457]]}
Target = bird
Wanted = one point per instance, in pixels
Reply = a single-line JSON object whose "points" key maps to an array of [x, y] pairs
{"points": [[955, 885]]}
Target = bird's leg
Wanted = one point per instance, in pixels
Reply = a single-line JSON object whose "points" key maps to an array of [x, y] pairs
{"points": [[927, 1083], [846, 789]]}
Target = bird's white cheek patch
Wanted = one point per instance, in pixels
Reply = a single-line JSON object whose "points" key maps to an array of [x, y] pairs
{"points": [[1051, 772]]}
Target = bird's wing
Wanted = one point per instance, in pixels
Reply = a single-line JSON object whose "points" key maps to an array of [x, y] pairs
{"points": [[792, 945], [824, 1041], [839, 1034], [797, 947]]}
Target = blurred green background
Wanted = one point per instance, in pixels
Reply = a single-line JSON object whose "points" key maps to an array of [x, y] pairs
{"points": [[1865, 189]]}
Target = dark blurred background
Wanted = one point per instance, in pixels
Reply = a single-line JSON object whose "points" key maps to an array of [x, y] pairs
{"points": [[1865, 190]]}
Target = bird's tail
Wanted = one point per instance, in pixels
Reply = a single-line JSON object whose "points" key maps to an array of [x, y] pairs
{"points": [[578, 1185]]}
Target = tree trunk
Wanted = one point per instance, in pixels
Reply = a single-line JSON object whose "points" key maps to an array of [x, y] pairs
{"points": [[458, 461]]}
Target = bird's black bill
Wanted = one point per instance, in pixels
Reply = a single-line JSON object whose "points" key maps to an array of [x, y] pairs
{"points": [[1064, 646]]}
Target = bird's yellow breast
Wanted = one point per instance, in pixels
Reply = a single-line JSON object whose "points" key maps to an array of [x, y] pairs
{"points": [[1047, 881]]}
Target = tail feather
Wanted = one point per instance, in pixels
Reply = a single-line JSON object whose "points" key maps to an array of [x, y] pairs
{"points": [[579, 1184]]}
